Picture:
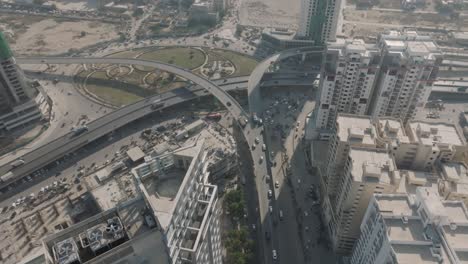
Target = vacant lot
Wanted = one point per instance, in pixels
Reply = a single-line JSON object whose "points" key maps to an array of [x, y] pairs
{"points": [[43, 36], [270, 13]]}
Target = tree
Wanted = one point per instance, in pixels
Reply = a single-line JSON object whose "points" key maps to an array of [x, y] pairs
{"points": [[235, 203], [239, 246]]}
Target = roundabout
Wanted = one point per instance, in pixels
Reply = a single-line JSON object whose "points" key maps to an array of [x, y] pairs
{"points": [[119, 85]]}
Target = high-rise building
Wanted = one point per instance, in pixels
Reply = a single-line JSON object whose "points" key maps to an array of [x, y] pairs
{"points": [[12, 84], [366, 171], [421, 228], [318, 20], [409, 68], [17, 105], [188, 217], [390, 79], [380, 155], [349, 72]]}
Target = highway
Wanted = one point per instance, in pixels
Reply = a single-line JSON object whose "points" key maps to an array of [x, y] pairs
{"points": [[56, 149], [61, 146], [284, 238]]}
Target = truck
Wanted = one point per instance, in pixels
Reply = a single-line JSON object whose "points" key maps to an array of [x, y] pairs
{"points": [[79, 130], [157, 104], [17, 163]]}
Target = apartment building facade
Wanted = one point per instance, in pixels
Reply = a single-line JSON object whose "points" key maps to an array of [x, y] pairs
{"points": [[409, 68], [392, 78], [420, 228], [367, 156], [190, 219], [367, 171], [347, 80]]}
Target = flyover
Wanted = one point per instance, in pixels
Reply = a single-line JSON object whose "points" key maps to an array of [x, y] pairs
{"points": [[61, 146], [66, 144], [36, 158]]}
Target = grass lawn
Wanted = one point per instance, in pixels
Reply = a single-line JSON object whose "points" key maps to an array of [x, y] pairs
{"points": [[183, 57], [114, 92], [244, 65]]}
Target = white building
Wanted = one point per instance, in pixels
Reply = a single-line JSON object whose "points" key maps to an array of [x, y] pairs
{"points": [[350, 131], [175, 187], [367, 171], [318, 20], [409, 68], [419, 228], [454, 182], [366, 156], [347, 80], [390, 79]]}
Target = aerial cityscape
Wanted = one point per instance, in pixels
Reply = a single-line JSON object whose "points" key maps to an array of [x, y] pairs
{"points": [[233, 131]]}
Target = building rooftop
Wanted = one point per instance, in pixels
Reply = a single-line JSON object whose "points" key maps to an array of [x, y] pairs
{"points": [[356, 129], [409, 43], [421, 254], [395, 205], [108, 237], [372, 165], [392, 129], [440, 133]]}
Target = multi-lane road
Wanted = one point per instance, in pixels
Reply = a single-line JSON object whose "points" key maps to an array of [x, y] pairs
{"points": [[55, 149], [68, 143], [284, 240]]}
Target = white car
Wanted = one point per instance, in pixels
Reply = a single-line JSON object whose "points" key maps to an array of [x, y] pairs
{"points": [[270, 193], [275, 255], [264, 147], [257, 140]]}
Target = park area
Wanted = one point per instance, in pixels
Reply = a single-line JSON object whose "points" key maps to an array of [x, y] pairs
{"points": [[119, 85]]}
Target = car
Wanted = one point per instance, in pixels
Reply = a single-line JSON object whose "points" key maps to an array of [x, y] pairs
{"points": [[275, 255], [270, 209], [276, 184], [257, 140], [253, 147], [267, 235], [281, 215], [270, 194], [264, 147], [261, 159]]}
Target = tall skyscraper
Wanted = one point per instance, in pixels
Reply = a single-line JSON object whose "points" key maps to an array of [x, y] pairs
{"points": [[17, 101], [408, 70], [349, 72], [12, 84], [318, 20], [392, 78]]}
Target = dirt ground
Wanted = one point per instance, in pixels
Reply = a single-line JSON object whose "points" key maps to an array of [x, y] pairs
{"points": [[35, 35], [270, 13], [370, 22]]}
